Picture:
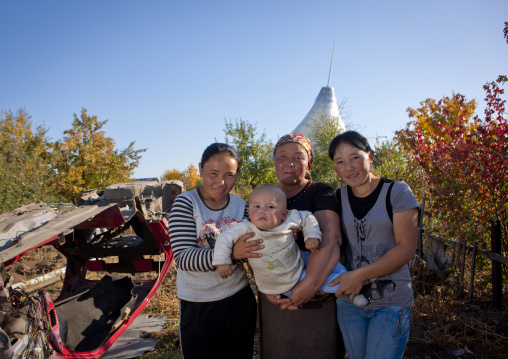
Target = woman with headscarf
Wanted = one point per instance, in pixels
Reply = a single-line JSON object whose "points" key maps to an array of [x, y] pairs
{"points": [[311, 331]]}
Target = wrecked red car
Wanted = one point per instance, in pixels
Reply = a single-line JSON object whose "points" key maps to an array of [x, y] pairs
{"points": [[115, 235]]}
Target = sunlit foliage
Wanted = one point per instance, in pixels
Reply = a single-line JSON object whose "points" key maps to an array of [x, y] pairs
{"points": [[465, 163], [432, 114], [25, 158], [190, 176], [323, 130], [255, 153], [86, 158]]}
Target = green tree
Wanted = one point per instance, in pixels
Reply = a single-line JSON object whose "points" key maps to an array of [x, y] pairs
{"points": [[25, 162], [255, 153], [86, 158], [322, 131], [392, 161]]}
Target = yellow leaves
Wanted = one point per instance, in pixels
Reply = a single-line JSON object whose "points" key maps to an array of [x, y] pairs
{"points": [[173, 174], [193, 180], [427, 119], [190, 176]]}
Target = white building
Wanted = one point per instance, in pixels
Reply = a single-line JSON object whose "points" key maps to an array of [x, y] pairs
{"points": [[325, 106]]}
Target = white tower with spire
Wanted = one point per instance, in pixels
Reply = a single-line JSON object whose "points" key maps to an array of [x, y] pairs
{"points": [[324, 106]]}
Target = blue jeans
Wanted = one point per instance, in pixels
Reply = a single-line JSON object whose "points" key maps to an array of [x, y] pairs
{"points": [[373, 332]]}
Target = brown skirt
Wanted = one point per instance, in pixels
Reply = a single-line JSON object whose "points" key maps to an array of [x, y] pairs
{"points": [[310, 332]]}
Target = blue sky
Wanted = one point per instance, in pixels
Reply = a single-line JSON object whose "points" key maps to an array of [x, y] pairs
{"points": [[166, 74]]}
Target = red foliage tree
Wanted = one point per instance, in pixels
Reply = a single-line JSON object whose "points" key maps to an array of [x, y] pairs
{"points": [[467, 167]]}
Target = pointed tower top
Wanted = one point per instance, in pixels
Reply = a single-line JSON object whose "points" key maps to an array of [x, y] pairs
{"points": [[324, 105], [331, 63]]}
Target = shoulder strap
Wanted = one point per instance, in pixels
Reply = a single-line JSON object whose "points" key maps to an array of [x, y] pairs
{"points": [[338, 197], [389, 208]]}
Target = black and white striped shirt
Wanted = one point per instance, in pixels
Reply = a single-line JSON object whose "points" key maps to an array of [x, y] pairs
{"points": [[193, 229]]}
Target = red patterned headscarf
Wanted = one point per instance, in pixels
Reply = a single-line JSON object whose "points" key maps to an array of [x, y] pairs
{"points": [[297, 138]]}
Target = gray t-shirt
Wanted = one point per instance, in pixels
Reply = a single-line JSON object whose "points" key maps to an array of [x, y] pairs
{"points": [[370, 237]]}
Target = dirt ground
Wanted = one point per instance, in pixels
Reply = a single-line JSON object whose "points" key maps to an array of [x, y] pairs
{"points": [[41, 261]]}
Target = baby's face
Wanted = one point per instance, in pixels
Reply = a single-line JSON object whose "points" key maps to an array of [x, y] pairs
{"points": [[267, 209]]}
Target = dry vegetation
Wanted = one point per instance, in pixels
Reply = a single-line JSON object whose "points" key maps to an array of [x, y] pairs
{"points": [[445, 325], [442, 322]]}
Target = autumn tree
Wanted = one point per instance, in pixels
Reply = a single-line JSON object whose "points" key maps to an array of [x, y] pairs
{"points": [[467, 170], [432, 114], [86, 158], [26, 155], [190, 176], [256, 154], [425, 124], [173, 174], [464, 158]]}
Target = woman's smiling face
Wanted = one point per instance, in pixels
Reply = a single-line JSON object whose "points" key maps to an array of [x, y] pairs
{"points": [[352, 164], [219, 176]]}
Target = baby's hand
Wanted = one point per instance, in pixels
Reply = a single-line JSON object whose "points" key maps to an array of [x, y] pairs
{"points": [[224, 270], [312, 243]]}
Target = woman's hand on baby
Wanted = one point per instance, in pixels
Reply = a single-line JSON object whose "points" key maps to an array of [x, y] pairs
{"points": [[243, 249], [349, 283], [302, 293], [283, 303], [312, 243]]}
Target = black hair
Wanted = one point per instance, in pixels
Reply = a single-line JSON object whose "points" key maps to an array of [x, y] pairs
{"points": [[218, 148], [351, 137]]}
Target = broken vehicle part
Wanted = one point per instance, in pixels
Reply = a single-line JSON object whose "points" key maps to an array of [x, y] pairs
{"points": [[107, 241]]}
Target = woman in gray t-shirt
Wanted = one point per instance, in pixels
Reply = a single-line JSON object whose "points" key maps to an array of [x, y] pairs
{"points": [[379, 219]]}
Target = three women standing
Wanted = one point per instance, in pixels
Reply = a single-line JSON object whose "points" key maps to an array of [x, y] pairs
{"points": [[218, 317]]}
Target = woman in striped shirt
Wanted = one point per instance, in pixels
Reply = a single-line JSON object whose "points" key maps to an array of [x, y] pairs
{"points": [[217, 316]]}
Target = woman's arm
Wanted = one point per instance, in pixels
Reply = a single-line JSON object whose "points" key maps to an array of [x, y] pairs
{"points": [[183, 238], [321, 262], [405, 227]]}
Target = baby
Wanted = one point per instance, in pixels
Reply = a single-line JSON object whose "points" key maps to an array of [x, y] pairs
{"points": [[282, 264]]}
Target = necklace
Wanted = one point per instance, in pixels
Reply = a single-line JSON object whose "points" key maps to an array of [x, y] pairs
{"points": [[224, 200], [300, 193]]}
